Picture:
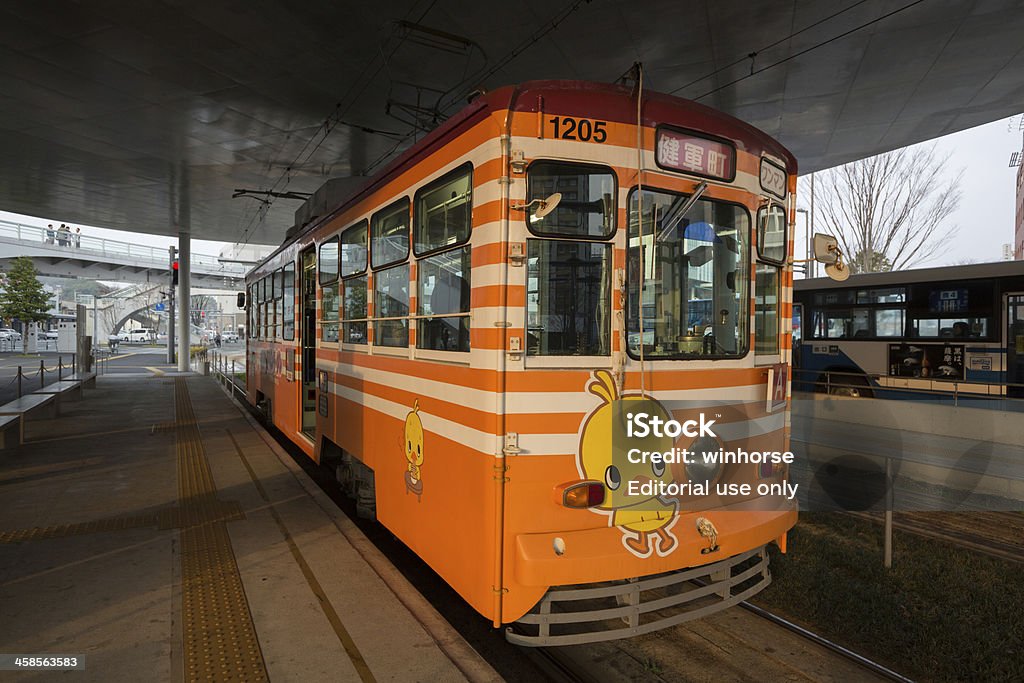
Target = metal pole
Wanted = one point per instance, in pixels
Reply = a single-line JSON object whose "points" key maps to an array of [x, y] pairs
{"points": [[60, 369], [813, 266], [19, 381], [172, 252], [184, 297], [42, 374], [887, 560]]}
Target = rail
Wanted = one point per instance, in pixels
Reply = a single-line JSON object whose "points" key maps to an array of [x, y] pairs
{"points": [[79, 243], [845, 381]]}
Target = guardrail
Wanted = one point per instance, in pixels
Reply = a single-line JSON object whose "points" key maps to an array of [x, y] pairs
{"points": [[227, 371], [851, 383], [111, 248]]}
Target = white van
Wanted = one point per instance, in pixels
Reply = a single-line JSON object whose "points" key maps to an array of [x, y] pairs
{"points": [[142, 335]]}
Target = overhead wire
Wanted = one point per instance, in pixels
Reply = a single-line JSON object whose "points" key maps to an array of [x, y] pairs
{"points": [[754, 72]]}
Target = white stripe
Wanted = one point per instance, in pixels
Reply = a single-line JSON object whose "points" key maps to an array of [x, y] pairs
{"points": [[461, 434]]}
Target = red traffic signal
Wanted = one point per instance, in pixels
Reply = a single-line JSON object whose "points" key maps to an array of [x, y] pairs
{"points": [[174, 273]]}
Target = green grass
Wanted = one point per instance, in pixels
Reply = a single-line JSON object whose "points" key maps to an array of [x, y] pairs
{"points": [[940, 614]]}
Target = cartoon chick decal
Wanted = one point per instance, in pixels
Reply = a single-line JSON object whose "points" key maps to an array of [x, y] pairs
{"points": [[413, 445], [645, 523]]}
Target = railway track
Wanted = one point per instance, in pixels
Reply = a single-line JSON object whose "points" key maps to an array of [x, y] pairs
{"points": [[997, 534], [846, 653]]}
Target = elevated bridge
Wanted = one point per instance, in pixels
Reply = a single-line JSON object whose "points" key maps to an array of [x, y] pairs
{"points": [[96, 258]]}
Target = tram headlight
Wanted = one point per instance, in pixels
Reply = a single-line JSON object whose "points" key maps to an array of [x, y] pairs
{"points": [[700, 470]]}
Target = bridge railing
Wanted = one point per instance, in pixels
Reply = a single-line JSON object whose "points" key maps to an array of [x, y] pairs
{"points": [[111, 248]]}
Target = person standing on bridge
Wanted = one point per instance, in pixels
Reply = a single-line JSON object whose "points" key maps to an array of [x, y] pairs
{"points": [[78, 237], [63, 235], [50, 233]]}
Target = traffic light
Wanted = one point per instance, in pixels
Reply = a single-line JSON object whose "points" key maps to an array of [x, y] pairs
{"points": [[174, 273]]}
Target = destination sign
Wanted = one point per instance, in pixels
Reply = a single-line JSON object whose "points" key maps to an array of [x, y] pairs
{"points": [[690, 153]]}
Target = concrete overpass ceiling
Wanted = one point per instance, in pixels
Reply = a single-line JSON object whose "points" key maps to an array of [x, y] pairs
{"points": [[145, 116]]}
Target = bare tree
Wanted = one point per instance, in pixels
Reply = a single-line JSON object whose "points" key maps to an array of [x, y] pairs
{"points": [[889, 211]]}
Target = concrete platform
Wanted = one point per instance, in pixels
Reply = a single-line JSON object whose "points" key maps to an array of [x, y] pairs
{"points": [[154, 530]]}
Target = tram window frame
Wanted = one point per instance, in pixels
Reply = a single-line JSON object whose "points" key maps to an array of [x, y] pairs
{"points": [[325, 275], [278, 303], [540, 348], [741, 279], [376, 222], [288, 288], [353, 229], [761, 313], [535, 226], [403, 319], [354, 329], [763, 219], [428, 328], [355, 324], [420, 218]]}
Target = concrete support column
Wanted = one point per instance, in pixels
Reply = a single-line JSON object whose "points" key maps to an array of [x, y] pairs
{"points": [[184, 300]]}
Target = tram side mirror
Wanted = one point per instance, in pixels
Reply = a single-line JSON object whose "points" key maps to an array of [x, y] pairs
{"points": [[241, 299], [827, 251], [826, 248]]}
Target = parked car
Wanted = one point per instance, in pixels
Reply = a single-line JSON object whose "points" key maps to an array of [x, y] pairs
{"points": [[228, 337], [8, 333], [50, 334]]}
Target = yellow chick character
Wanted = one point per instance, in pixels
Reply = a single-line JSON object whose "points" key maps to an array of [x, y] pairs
{"points": [[639, 520], [413, 444]]}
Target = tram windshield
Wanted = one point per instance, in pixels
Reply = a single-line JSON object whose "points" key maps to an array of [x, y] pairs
{"points": [[694, 268]]}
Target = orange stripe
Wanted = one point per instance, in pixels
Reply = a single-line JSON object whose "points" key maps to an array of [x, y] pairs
{"points": [[490, 295]]}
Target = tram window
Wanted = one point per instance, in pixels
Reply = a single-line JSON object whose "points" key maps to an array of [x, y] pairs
{"points": [[353, 250], [443, 289], [889, 322], [695, 273], [289, 302], [771, 233], [443, 212], [328, 262], [329, 302], [766, 309], [391, 300], [588, 204], [568, 298], [278, 302], [354, 305], [389, 234]]}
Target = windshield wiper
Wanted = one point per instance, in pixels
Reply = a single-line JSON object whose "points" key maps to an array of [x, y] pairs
{"points": [[672, 220]]}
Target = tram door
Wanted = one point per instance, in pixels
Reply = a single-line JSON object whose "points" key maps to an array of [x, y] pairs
{"points": [[308, 341], [1015, 344]]}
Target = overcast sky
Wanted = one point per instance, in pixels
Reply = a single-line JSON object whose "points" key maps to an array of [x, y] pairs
{"points": [[985, 217]]}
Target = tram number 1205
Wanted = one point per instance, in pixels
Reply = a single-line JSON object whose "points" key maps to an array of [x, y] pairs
{"points": [[586, 130]]}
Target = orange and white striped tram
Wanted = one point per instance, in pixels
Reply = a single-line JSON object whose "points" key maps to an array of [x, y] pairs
{"points": [[452, 336]]}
